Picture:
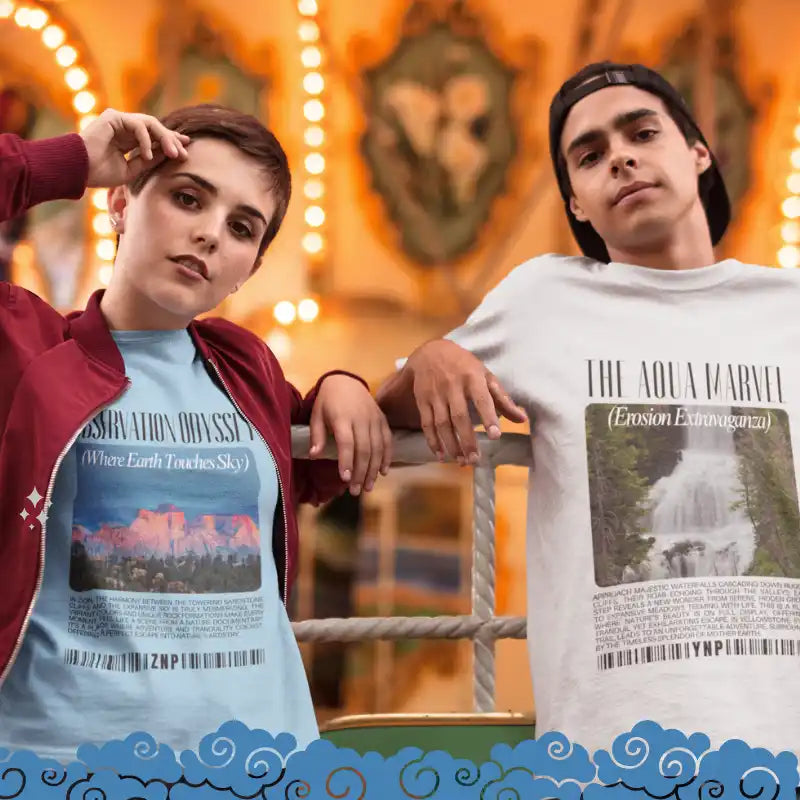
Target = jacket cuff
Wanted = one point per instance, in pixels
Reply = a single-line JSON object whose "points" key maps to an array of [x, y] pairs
{"points": [[311, 397], [59, 168]]}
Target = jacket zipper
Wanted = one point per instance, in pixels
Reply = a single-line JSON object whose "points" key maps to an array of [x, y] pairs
{"points": [[42, 541], [285, 593]]}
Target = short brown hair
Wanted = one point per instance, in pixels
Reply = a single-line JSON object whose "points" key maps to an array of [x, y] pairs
{"points": [[244, 131]]}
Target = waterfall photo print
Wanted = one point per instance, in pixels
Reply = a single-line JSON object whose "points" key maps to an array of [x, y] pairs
{"points": [[691, 491]]}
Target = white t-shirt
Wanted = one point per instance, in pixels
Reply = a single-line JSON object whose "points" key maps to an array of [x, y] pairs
{"points": [[663, 536]]}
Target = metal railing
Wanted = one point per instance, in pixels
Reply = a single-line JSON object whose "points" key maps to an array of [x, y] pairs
{"points": [[482, 626]]}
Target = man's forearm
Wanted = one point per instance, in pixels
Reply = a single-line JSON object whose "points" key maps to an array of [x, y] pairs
{"points": [[395, 397]]}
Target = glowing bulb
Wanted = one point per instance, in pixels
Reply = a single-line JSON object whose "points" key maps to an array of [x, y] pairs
{"points": [[280, 343], [315, 163], [86, 120], [104, 274], [76, 78], [313, 83], [66, 55], [6, 9], [37, 18], [313, 111], [53, 37], [312, 243], [100, 199], [795, 158], [790, 232], [102, 224], [285, 312], [314, 189], [311, 57], [307, 7], [307, 310], [22, 17], [789, 256], [791, 207], [105, 249], [315, 216], [308, 32], [314, 136], [84, 102]]}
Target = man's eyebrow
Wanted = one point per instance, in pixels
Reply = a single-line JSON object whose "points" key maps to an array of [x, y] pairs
{"points": [[620, 121], [211, 189]]}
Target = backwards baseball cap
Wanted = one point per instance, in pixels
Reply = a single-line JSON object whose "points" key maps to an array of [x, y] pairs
{"points": [[598, 76]]}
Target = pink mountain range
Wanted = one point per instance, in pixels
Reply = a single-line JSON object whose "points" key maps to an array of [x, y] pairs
{"points": [[167, 532]]}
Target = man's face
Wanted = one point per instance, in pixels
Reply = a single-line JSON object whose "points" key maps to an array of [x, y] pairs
{"points": [[192, 235], [633, 175]]}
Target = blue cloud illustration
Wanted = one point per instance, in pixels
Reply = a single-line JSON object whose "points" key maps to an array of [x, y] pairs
{"points": [[552, 755], [23, 774], [737, 770], [108, 785], [237, 758], [138, 754], [652, 758]]}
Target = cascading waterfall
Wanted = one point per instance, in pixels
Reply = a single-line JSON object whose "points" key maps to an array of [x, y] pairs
{"points": [[696, 530]]}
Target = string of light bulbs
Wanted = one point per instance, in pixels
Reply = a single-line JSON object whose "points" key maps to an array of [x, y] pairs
{"points": [[313, 241], [789, 253], [78, 79]]}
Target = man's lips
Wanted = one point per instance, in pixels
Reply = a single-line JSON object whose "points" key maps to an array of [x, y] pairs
{"points": [[631, 188], [193, 263]]}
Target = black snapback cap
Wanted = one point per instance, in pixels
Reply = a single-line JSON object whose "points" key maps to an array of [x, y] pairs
{"points": [[598, 76]]}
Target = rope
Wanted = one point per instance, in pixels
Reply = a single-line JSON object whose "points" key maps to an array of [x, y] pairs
{"points": [[483, 585], [356, 629]]}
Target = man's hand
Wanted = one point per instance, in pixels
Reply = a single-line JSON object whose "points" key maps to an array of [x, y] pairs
{"points": [[117, 134], [347, 410], [446, 379]]}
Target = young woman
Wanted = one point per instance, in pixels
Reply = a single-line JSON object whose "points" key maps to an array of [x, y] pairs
{"points": [[147, 486]]}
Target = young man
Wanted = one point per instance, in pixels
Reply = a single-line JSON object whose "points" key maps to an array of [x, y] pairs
{"points": [[147, 487], [662, 385]]}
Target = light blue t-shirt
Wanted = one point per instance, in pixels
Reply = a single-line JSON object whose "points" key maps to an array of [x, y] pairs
{"points": [[159, 609]]}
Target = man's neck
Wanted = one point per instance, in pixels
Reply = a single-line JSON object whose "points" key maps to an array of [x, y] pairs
{"points": [[687, 247]]}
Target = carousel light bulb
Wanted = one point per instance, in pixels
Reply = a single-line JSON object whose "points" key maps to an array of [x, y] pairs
{"points": [[100, 199], [101, 224], [314, 189], [37, 19], [313, 243], [22, 17], [313, 110], [308, 310], [315, 163], [6, 9], [791, 207], [284, 312], [308, 32], [84, 102], [76, 78], [308, 8], [104, 274], [105, 249], [790, 232], [313, 83], [315, 216], [66, 56], [314, 136], [53, 37], [85, 120], [789, 256], [311, 57]]}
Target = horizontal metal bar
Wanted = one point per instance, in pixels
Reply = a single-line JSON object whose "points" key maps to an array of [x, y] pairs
{"points": [[410, 447]]}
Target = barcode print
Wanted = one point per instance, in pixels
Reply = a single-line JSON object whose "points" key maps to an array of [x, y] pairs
{"points": [[687, 650], [140, 662]]}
